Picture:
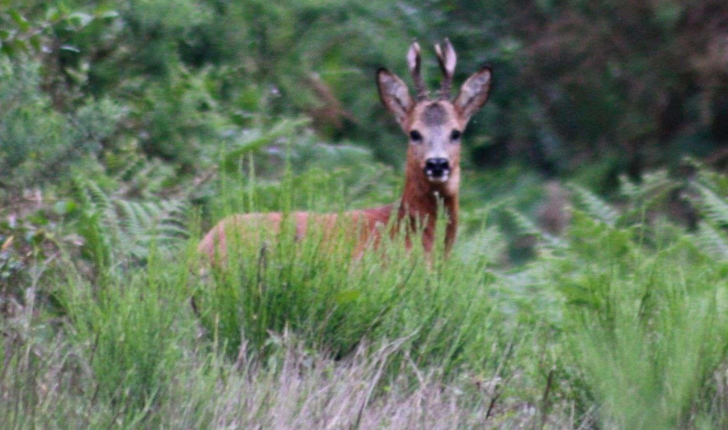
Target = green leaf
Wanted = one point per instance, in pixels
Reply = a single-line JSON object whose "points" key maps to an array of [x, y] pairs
{"points": [[80, 19], [36, 42], [23, 24], [53, 14], [7, 49], [107, 14], [20, 45]]}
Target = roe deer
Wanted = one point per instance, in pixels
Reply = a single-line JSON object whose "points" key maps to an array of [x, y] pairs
{"points": [[432, 175]]}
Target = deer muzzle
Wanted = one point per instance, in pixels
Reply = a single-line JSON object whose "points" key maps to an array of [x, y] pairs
{"points": [[437, 170]]}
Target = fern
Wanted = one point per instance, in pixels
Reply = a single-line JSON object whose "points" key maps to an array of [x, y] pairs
{"points": [[526, 227], [115, 227], [651, 190], [594, 206], [713, 207], [711, 241], [716, 181]]}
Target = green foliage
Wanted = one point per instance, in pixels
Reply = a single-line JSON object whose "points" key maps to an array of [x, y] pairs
{"points": [[115, 228], [27, 30], [127, 333], [594, 206], [180, 118], [623, 98], [316, 175], [39, 146], [606, 327], [642, 319], [335, 303], [253, 140], [117, 117], [644, 327]]}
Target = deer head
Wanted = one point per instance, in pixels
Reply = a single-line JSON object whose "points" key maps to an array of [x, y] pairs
{"points": [[434, 126]]}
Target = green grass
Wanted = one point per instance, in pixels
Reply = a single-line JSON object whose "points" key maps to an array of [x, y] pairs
{"points": [[607, 327]]}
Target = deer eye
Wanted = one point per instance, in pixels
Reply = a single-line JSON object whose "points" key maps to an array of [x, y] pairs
{"points": [[455, 135], [415, 136]]}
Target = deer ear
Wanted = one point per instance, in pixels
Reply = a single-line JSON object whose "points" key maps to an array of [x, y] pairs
{"points": [[395, 95], [474, 93]]}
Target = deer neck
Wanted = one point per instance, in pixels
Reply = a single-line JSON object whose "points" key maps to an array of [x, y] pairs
{"points": [[422, 199]]}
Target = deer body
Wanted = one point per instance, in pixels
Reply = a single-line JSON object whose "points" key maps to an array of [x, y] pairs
{"points": [[432, 171]]}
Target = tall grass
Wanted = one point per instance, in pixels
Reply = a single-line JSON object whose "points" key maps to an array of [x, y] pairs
{"points": [[334, 300], [605, 330], [647, 329]]}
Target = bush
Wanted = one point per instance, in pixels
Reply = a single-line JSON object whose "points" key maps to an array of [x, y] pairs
{"points": [[39, 146]]}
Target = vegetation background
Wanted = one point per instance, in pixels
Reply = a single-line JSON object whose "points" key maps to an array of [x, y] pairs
{"points": [[587, 289]]}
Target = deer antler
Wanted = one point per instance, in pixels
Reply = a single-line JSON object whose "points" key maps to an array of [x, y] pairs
{"points": [[413, 61], [447, 59]]}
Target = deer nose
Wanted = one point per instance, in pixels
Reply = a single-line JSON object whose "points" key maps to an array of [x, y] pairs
{"points": [[437, 168]]}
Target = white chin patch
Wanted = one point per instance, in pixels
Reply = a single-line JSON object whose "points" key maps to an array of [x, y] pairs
{"points": [[439, 180]]}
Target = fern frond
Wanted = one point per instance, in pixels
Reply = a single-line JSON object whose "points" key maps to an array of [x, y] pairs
{"points": [[711, 179], [594, 206], [712, 206], [712, 241], [652, 188], [527, 227], [126, 227]]}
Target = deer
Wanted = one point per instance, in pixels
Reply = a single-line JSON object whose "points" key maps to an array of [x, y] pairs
{"points": [[434, 127]]}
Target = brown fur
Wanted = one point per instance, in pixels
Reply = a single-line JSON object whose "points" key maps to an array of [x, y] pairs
{"points": [[255, 226], [435, 121], [435, 114]]}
